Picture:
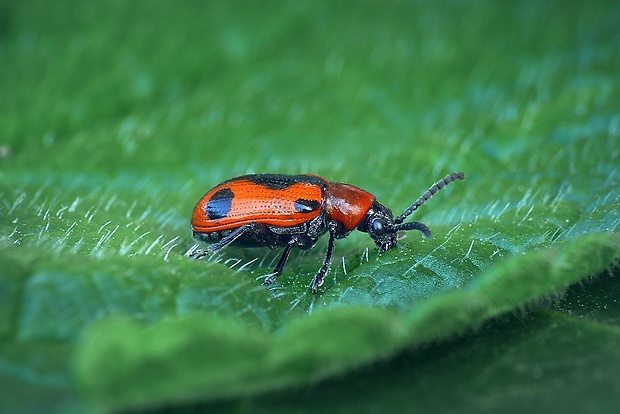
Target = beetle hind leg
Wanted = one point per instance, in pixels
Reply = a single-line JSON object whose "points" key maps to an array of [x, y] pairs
{"points": [[197, 253], [229, 239]]}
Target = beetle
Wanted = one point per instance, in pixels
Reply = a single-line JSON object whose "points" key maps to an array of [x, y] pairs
{"points": [[275, 210]]}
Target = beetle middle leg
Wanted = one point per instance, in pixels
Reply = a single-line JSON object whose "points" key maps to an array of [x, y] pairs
{"points": [[327, 261], [277, 271]]}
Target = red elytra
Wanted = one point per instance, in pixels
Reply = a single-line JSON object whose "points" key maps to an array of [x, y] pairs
{"points": [[275, 210], [242, 201]]}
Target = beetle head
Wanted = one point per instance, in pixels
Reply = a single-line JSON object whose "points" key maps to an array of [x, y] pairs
{"points": [[380, 226]]}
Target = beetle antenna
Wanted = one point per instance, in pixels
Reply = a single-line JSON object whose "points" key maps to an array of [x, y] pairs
{"points": [[414, 225], [428, 194]]}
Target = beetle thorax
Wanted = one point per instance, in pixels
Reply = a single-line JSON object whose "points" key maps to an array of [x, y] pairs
{"points": [[347, 204]]}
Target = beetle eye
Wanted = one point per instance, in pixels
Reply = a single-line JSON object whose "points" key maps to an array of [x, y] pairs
{"points": [[378, 227]]}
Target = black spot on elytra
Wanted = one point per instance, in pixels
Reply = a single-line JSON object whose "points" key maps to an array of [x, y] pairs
{"points": [[306, 206], [282, 182], [220, 204]]}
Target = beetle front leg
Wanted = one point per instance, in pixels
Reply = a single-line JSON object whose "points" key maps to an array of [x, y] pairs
{"points": [[327, 261]]}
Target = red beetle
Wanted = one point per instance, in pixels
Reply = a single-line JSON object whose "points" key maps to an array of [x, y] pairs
{"points": [[275, 210]]}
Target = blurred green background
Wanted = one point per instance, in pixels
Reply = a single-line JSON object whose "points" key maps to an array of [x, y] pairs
{"points": [[116, 117]]}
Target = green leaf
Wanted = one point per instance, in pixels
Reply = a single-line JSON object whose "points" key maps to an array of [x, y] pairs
{"points": [[111, 131], [560, 358], [206, 357]]}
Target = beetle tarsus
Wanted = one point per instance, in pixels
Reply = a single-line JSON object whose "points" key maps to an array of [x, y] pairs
{"points": [[318, 280], [271, 277], [197, 253]]}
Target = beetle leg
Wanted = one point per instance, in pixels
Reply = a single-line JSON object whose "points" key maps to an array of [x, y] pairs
{"points": [[238, 232], [327, 261], [196, 253], [277, 271], [201, 253]]}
